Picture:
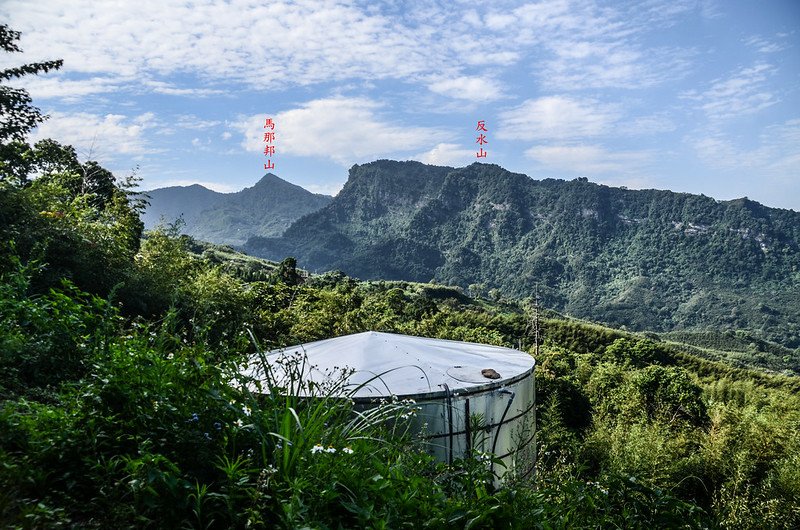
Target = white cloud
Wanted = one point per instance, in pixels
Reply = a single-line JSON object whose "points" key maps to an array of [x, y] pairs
{"points": [[776, 155], [50, 86], [557, 117], [594, 46], [773, 162], [149, 43], [346, 130], [472, 18], [744, 92], [615, 64], [190, 121], [466, 49], [647, 124], [478, 89], [588, 159], [226, 135], [160, 87], [762, 45], [258, 44], [101, 138], [499, 21], [445, 154], [332, 188]]}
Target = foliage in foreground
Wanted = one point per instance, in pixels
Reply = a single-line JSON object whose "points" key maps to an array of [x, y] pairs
{"points": [[146, 429], [149, 431]]}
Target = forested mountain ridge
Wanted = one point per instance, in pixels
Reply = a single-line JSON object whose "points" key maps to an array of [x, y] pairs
{"points": [[645, 259], [264, 209]]}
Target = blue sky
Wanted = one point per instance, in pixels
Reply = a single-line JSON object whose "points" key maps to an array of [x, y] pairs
{"points": [[694, 96]]}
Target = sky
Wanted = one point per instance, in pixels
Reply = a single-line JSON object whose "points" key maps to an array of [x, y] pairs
{"points": [[698, 96]]}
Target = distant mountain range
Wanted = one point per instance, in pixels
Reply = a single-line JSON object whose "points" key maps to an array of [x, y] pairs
{"points": [[266, 209], [644, 259]]}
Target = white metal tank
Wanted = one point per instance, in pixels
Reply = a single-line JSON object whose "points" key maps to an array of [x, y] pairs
{"points": [[450, 381]]}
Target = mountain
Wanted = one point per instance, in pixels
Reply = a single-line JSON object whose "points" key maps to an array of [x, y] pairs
{"points": [[644, 259], [265, 209]]}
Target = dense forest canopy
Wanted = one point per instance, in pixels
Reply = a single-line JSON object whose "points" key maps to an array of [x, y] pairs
{"points": [[645, 259]]}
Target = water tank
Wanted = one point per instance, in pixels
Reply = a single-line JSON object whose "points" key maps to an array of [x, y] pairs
{"points": [[470, 396]]}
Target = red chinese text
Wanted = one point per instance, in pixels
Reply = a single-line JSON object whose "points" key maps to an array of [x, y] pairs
{"points": [[481, 139], [269, 141]]}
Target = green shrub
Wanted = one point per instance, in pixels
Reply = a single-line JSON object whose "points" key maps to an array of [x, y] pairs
{"points": [[47, 339]]}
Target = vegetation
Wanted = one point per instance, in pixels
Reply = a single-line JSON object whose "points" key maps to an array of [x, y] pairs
{"points": [[141, 426], [738, 348], [122, 403], [644, 259]]}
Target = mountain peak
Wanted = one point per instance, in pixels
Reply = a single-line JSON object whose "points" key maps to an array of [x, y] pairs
{"points": [[273, 184], [269, 178], [265, 209]]}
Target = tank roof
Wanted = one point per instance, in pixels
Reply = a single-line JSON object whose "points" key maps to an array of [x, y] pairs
{"points": [[389, 364]]}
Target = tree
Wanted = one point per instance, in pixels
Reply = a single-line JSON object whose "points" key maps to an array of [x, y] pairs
{"points": [[17, 115], [60, 163], [668, 393], [476, 290], [74, 219], [287, 272], [634, 352]]}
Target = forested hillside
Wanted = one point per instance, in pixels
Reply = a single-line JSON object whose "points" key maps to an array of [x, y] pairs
{"points": [[114, 417], [644, 259], [262, 210]]}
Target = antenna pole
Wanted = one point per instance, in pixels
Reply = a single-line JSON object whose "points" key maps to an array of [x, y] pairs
{"points": [[536, 328]]}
